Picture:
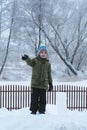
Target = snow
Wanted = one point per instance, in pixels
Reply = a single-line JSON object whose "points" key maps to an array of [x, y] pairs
{"points": [[82, 83], [52, 120], [57, 117]]}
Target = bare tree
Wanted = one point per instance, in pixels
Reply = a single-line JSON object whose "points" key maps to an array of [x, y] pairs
{"points": [[9, 38], [37, 9]]}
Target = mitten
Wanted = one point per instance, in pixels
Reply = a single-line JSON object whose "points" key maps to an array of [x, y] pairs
{"points": [[50, 87], [25, 57]]}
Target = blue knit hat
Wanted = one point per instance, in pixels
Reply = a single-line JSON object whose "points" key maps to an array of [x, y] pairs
{"points": [[41, 48]]}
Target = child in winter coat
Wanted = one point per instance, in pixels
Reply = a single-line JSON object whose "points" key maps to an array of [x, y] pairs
{"points": [[41, 78]]}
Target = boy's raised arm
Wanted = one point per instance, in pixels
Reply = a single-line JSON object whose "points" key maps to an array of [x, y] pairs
{"points": [[28, 60]]}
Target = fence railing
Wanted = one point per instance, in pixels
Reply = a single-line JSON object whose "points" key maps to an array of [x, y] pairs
{"points": [[18, 96]]}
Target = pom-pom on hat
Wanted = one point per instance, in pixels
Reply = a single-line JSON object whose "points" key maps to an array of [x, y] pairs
{"points": [[41, 48]]}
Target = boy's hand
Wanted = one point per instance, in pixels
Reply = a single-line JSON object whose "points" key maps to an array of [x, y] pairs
{"points": [[50, 87], [25, 57]]}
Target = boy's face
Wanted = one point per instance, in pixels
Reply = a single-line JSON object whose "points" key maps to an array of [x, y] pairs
{"points": [[43, 54]]}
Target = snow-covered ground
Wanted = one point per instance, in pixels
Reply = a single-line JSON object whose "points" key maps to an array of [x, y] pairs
{"points": [[57, 117], [52, 120], [82, 83]]}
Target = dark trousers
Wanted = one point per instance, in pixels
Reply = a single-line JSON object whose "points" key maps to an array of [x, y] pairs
{"points": [[38, 100]]}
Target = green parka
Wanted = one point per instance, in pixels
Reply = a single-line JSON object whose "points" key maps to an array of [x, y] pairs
{"points": [[41, 72]]}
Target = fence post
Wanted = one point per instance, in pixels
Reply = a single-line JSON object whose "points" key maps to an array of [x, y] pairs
{"points": [[0, 96], [55, 95], [10, 97], [86, 98]]}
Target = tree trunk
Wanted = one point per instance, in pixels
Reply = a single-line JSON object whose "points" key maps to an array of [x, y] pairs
{"points": [[67, 63], [40, 21], [9, 38], [6, 55]]}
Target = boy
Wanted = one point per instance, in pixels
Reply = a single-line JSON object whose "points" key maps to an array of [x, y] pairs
{"points": [[41, 77]]}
